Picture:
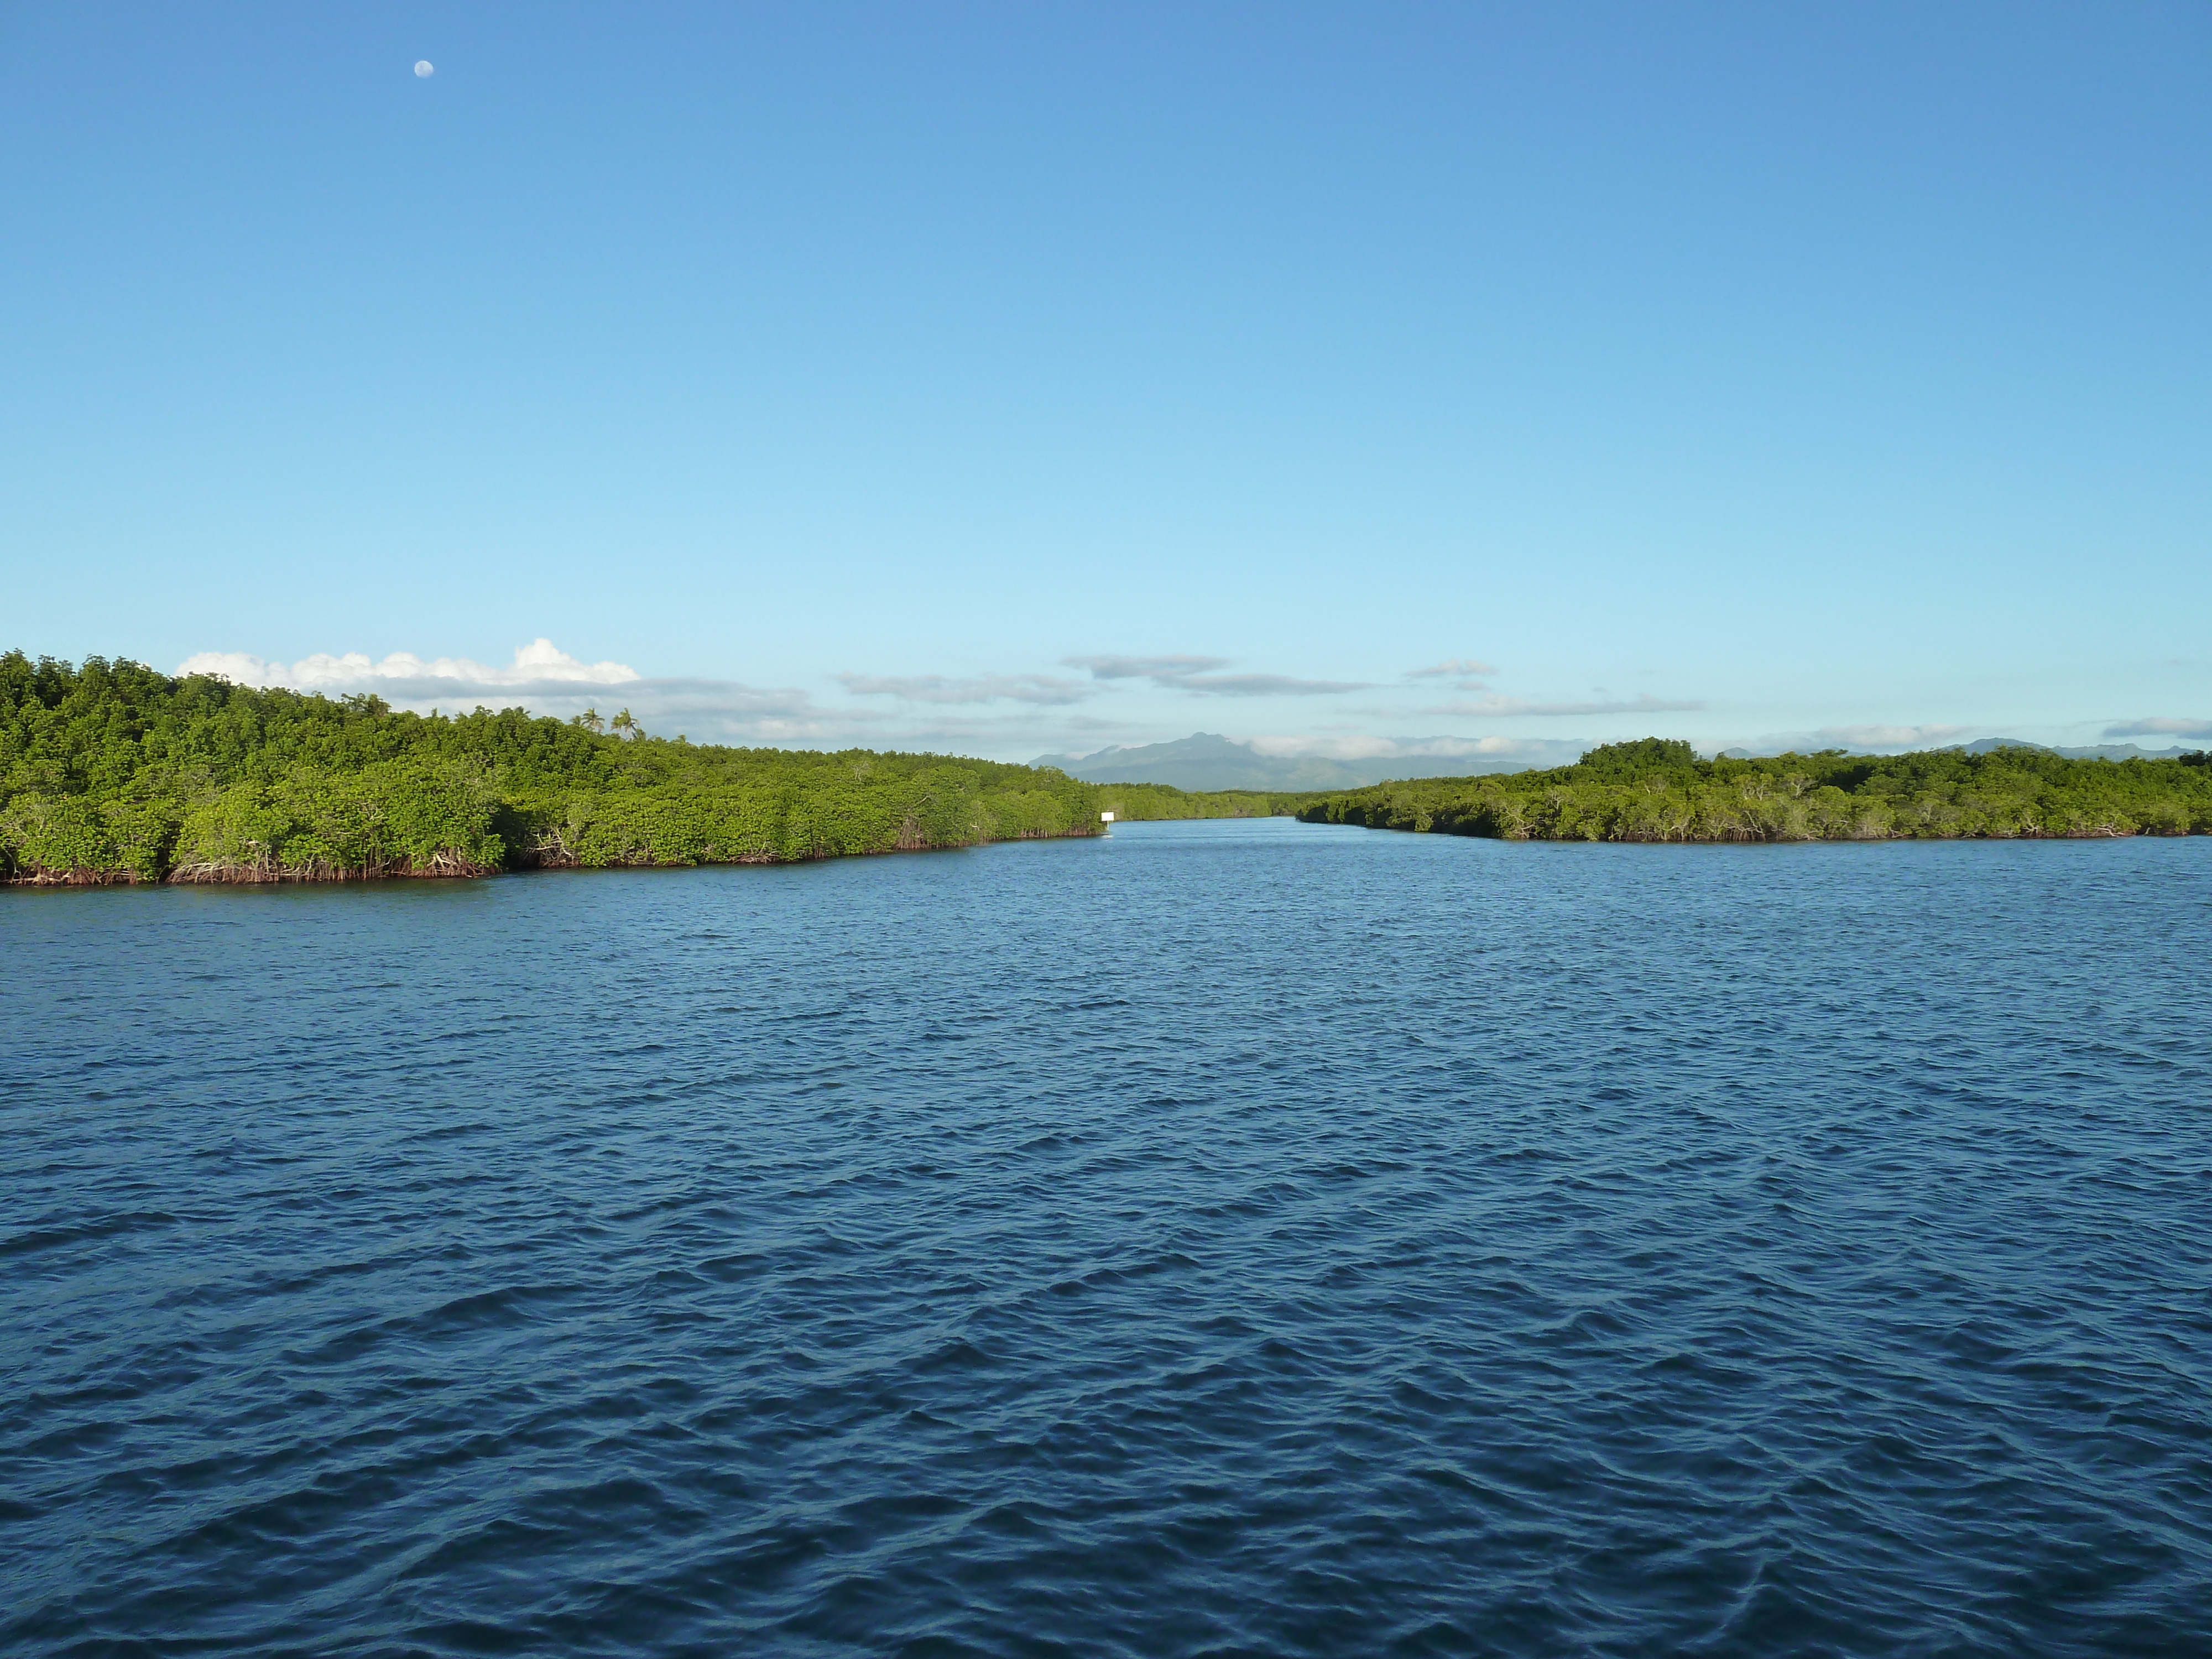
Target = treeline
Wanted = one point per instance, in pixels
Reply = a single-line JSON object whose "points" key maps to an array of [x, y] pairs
{"points": [[111, 771], [1657, 790], [1136, 803]]}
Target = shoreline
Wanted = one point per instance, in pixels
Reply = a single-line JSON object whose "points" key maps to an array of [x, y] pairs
{"points": [[334, 876], [1473, 831], [322, 873]]}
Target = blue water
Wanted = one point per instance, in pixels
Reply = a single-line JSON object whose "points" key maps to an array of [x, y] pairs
{"points": [[1231, 1239]]}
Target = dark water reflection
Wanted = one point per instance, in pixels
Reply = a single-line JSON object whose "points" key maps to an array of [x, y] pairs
{"points": [[1222, 1239]]}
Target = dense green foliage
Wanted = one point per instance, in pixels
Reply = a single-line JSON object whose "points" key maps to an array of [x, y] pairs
{"points": [[1657, 790], [1136, 803], [112, 771]]}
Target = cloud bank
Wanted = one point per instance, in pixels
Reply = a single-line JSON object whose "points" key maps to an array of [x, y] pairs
{"points": [[2162, 725], [1514, 708], [1867, 739], [1018, 715], [1465, 673], [1453, 668], [539, 664], [546, 680], [1198, 675], [1520, 751], [1043, 689]]}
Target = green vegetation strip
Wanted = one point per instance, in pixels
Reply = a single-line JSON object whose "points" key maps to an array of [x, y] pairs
{"points": [[1655, 790], [113, 772]]}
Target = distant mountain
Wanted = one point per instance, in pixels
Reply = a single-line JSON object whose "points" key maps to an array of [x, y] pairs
{"points": [[1207, 760]]}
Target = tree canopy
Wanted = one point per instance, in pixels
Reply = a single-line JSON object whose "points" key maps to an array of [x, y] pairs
{"points": [[1656, 789], [112, 771]]}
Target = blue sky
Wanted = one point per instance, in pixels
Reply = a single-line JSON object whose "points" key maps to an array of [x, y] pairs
{"points": [[1013, 379]]}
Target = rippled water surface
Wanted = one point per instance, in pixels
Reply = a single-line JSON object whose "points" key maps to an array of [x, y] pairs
{"points": [[1221, 1238]]}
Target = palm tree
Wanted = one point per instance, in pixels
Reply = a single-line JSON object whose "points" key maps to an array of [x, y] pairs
{"points": [[626, 725], [590, 720]]}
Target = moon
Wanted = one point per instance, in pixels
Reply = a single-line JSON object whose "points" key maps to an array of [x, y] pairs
{"points": [[425, 69]]}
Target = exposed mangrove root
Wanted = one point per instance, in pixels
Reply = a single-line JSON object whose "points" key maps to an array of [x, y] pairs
{"points": [[563, 848], [444, 864], [35, 876]]}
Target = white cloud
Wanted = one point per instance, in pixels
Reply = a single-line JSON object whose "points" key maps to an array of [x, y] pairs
{"points": [[1888, 737], [720, 711], [1515, 708], [2166, 726], [540, 664], [1044, 689], [1526, 751], [546, 680], [1870, 739]]}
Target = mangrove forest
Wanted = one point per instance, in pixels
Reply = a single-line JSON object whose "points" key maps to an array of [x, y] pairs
{"points": [[111, 771], [1658, 790]]}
